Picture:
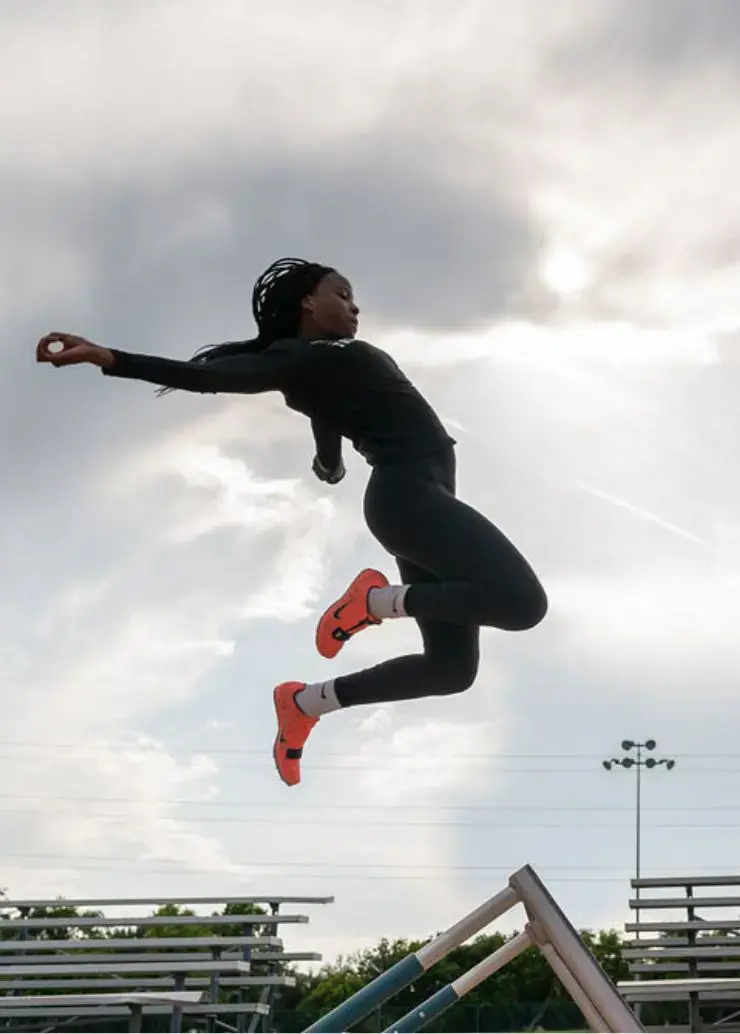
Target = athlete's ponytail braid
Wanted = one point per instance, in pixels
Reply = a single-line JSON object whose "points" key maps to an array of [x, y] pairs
{"points": [[276, 307]]}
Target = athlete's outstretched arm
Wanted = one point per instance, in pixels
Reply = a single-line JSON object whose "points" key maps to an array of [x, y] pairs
{"points": [[328, 464], [247, 373]]}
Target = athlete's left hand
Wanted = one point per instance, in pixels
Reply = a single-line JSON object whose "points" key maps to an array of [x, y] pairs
{"points": [[71, 350], [331, 477]]}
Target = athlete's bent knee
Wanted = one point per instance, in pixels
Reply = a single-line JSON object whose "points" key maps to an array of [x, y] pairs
{"points": [[529, 610], [449, 679]]}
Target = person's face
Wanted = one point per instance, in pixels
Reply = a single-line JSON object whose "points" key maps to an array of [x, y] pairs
{"points": [[331, 308]]}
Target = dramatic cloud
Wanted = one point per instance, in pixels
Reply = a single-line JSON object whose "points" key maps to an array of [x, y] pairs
{"points": [[666, 40], [537, 206]]}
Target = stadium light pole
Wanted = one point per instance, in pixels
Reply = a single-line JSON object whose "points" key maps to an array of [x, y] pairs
{"points": [[638, 762]]}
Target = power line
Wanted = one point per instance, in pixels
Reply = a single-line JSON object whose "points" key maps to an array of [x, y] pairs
{"points": [[581, 755], [254, 750], [108, 819], [332, 863], [351, 871], [381, 764], [325, 870], [355, 864], [333, 877], [241, 805]]}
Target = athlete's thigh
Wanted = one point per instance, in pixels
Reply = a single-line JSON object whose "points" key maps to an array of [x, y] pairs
{"points": [[442, 535], [441, 640]]}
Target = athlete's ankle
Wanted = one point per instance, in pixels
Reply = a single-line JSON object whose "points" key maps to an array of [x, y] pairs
{"points": [[387, 603], [317, 699]]}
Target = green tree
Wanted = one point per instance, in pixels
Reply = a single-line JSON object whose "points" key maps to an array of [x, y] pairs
{"points": [[238, 928], [64, 933], [143, 929]]}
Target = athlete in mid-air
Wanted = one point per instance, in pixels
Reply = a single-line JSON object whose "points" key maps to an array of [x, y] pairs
{"points": [[458, 572]]}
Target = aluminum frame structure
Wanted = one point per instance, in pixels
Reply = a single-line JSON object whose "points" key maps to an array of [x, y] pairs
{"points": [[547, 928]]}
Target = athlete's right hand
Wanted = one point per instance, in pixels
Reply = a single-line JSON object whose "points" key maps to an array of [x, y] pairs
{"points": [[74, 350], [331, 477]]}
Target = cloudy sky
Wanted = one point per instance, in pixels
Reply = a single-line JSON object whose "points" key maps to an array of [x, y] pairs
{"points": [[538, 207]]}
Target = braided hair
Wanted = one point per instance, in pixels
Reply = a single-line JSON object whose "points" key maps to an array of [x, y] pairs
{"points": [[276, 307]]}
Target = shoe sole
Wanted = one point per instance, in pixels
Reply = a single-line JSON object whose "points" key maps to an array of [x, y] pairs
{"points": [[276, 742]]}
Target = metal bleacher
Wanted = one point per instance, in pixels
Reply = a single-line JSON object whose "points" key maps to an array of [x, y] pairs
{"points": [[691, 956], [52, 974]]}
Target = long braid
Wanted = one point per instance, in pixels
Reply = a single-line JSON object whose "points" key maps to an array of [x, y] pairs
{"points": [[276, 307]]}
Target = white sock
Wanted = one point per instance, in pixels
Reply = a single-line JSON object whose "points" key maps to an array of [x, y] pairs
{"points": [[387, 603], [317, 699]]}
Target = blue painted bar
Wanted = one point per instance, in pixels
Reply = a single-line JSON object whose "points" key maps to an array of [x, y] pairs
{"points": [[429, 1010], [368, 998]]}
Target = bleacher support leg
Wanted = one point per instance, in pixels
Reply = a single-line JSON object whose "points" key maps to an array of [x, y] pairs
{"points": [[176, 1019], [135, 1020]]}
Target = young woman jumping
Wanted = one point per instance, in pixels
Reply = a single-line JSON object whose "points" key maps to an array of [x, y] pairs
{"points": [[458, 572]]}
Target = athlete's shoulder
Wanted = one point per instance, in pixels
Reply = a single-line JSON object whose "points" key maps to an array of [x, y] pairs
{"points": [[377, 358], [332, 342], [354, 345], [286, 344], [362, 350]]}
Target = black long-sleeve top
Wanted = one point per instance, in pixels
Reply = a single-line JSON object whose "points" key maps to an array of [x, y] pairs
{"points": [[347, 388]]}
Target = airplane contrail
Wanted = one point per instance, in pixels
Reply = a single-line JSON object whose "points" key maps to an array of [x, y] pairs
{"points": [[645, 515]]}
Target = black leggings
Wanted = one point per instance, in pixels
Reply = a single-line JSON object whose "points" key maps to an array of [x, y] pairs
{"points": [[462, 571]]}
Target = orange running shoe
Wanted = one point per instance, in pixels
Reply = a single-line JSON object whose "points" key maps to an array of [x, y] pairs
{"points": [[294, 728], [349, 614]]}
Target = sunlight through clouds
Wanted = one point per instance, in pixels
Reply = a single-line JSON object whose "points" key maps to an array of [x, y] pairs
{"points": [[565, 271], [537, 206]]}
